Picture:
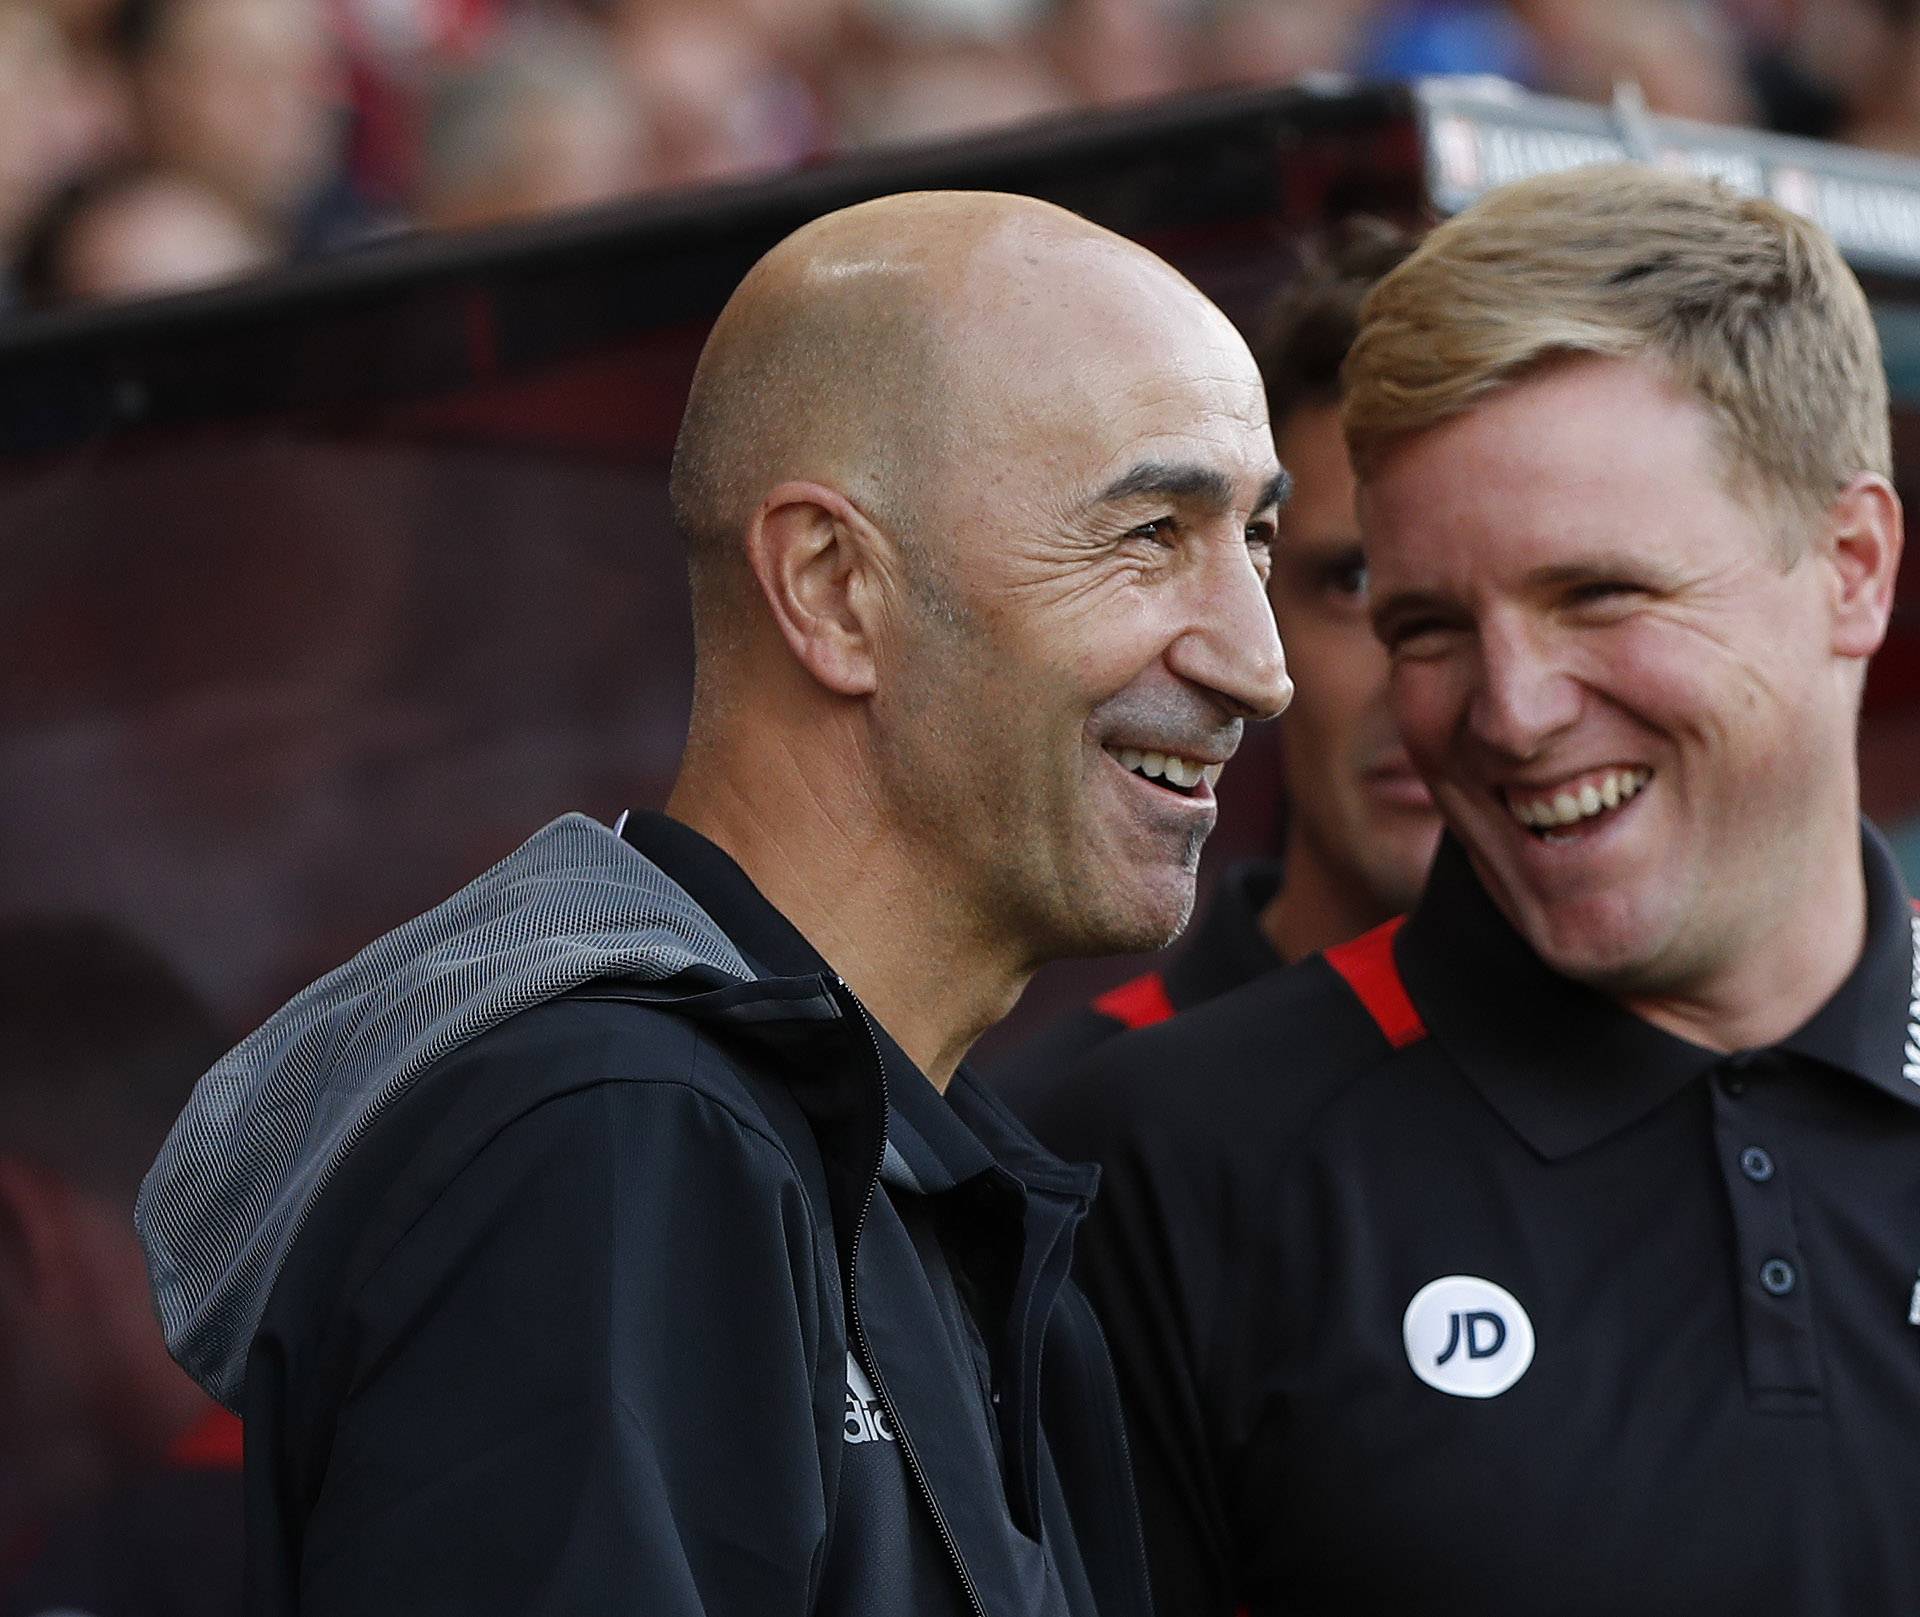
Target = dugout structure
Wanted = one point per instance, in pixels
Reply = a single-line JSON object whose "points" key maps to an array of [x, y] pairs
{"points": [[318, 593]]}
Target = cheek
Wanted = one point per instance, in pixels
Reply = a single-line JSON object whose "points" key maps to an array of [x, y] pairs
{"points": [[1428, 702], [1333, 698], [1683, 682]]}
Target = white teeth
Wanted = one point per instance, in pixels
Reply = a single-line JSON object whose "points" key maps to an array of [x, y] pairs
{"points": [[1185, 773], [1569, 807]]}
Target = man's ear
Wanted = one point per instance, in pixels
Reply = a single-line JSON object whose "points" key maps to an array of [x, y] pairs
{"points": [[818, 563], [1864, 538]]}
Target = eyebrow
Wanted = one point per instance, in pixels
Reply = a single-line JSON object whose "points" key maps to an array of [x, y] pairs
{"points": [[1560, 575], [1187, 480]]}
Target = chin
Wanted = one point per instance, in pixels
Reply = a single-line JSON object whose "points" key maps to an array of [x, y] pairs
{"points": [[1133, 918], [1613, 951]]}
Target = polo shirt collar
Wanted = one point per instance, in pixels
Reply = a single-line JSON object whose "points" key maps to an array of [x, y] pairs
{"points": [[1566, 1067], [1871, 1026]]}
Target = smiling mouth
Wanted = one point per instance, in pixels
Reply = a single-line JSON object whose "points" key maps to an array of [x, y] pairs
{"points": [[1184, 777], [1561, 812]]}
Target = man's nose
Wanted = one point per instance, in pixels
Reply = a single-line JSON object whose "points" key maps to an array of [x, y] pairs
{"points": [[1522, 696], [1231, 646]]}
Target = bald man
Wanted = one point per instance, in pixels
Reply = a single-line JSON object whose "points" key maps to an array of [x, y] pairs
{"points": [[624, 1235]]}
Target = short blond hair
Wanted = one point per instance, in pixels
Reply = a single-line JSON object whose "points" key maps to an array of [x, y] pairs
{"points": [[1751, 308]]}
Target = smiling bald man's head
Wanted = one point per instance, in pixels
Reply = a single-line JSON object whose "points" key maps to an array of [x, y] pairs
{"points": [[978, 498], [865, 352]]}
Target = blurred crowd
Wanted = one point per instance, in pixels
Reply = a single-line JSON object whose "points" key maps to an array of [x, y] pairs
{"points": [[153, 144]]}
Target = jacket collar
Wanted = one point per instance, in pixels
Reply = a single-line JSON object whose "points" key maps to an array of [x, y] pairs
{"points": [[934, 1144], [772, 944], [1566, 1067]]}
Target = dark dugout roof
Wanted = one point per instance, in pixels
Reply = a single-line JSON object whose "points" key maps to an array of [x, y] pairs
{"points": [[415, 316]]}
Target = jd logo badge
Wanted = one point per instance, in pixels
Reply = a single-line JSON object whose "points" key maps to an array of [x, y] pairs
{"points": [[1468, 1337]]}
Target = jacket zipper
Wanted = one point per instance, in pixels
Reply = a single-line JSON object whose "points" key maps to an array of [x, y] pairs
{"points": [[865, 1349]]}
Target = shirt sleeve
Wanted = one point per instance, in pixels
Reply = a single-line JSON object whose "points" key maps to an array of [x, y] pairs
{"points": [[584, 1381], [1148, 1258]]}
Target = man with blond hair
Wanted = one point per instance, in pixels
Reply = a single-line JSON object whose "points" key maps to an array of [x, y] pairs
{"points": [[1556, 1251]]}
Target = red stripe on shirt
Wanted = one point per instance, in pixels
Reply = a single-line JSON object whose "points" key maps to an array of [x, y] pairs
{"points": [[1369, 968], [1138, 1003], [214, 1443]]}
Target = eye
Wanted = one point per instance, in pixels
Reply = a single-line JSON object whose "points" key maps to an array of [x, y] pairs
{"points": [[1413, 639], [1602, 592], [1159, 530], [1345, 578]]}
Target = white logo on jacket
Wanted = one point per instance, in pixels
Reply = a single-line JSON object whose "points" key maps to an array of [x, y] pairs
{"points": [[867, 1420], [1467, 1337]]}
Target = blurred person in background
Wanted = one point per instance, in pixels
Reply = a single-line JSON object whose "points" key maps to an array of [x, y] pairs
{"points": [[1277, 41], [913, 91], [721, 102], [808, 38], [1360, 826], [1412, 38], [392, 52], [98, 97], [249, 96], [1117, 51], [539, 122], [41, 141], [137, 232], [119, 1478], [1684, 57], [924, 70], [1869, 52]]}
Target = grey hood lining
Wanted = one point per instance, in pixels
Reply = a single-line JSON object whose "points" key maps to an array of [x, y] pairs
{"points": [[268, 1126]]}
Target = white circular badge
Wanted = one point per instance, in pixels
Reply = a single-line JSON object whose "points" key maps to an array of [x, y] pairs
{"points": [[1468, 1337]]}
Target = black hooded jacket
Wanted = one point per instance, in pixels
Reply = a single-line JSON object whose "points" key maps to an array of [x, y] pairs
{"points": [[584, 1247]]}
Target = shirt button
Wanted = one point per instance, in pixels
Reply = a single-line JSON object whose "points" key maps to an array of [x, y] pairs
{"points": [[1777, 1275], [1756, 1164]]}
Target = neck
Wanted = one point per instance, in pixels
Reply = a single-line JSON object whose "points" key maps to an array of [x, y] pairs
{"points": [[829, 860], [1317, 906], [1816, 930]]}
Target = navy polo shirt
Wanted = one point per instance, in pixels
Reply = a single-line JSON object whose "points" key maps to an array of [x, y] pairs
{"points": [[1438, 1282]]}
